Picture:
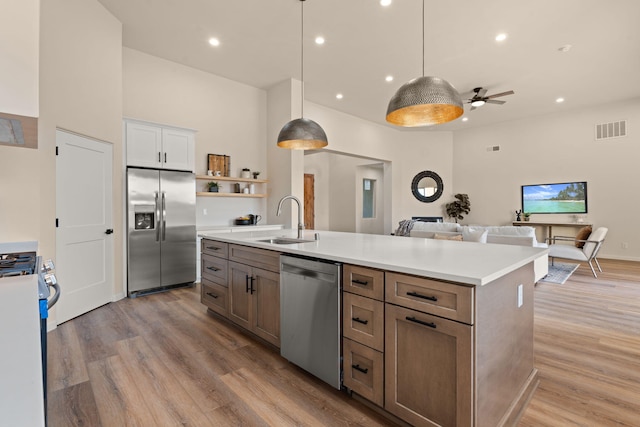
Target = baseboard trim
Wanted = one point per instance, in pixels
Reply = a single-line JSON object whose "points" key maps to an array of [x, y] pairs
{"points": [[519, 405]]}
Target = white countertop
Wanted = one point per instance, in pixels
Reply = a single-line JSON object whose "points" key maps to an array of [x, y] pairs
{"points": [[21, 395], [464, 262], [234, 228]]}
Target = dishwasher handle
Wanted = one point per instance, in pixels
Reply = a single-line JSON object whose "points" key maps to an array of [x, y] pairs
{"points": [[305, 272]]}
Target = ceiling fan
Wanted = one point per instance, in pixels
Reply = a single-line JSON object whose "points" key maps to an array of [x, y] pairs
{"points": [[479, 99]]}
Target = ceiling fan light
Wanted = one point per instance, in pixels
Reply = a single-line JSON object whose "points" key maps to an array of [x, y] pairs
{"points": [[302, 134], [477, 103], [424, 101]]}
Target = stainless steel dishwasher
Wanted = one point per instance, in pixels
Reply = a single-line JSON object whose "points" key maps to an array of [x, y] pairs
{"points": [[310, 316]]}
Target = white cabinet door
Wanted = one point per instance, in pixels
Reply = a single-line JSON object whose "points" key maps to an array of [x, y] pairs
{"points": [[155, 146], [178, 149], [144, 145]]}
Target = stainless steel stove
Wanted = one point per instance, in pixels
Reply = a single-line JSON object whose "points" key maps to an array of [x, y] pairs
{"points": [[21, 259]]}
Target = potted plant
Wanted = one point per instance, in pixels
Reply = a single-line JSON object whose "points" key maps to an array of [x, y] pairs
{"points": [[255, 175], [526, 216], [213, 186], [460, 206]]}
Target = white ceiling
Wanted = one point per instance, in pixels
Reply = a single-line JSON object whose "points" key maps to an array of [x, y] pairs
{"points": [[260, 46]]}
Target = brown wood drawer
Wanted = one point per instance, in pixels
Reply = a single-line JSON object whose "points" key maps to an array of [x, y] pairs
{"points": [[363, 320], [214, 268], [261, 258], [443, 299], [363, 281], [215, 296], [215, 248], [364, 371]]}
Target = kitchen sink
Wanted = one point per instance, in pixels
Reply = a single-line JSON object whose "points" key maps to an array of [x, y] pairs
{"points": [[284, 240]]}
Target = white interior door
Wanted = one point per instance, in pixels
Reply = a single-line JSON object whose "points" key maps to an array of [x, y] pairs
{"points": [[84, 201]]}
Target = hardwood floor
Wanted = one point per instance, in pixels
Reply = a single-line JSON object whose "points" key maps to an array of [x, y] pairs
{"points": [[161, 360]]}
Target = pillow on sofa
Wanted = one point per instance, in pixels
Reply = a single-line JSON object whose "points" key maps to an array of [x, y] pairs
{"points": [[442, 236], [474, 234], [583, 234]]}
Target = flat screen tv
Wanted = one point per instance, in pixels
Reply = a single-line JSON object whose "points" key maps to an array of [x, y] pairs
{"points": [[566, 197]]}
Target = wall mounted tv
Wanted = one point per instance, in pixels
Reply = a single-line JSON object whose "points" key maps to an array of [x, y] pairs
{"points": [[566, 197]]}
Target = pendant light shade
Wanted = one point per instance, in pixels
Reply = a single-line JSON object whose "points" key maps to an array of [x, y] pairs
{"points": [[302, 134], [424, 101]]}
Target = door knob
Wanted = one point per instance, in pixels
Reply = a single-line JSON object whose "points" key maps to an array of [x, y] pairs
{"points": [[109, 231]]}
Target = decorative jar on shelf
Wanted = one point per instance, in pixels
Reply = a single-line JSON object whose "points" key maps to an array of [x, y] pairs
{"points": [[246, 173]]}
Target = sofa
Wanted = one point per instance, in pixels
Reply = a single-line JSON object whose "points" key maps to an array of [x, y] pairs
{"points": [[504, 235]]}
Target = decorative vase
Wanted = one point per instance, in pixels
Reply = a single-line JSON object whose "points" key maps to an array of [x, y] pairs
{"points": [[213, 189], [246, 173]]}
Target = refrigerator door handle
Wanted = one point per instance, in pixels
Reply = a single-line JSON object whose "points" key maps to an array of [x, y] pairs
{"points": [[164, 218], [157, 217]]}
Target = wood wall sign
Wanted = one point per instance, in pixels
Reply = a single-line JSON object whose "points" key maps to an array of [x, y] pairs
{"points": [[219, 162], [18, 131]]}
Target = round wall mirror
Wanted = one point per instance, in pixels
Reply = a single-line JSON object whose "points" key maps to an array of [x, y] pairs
{"points": [[427, 186]]}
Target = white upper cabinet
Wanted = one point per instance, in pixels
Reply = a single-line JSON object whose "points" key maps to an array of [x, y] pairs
{"points": [[156, 146]]}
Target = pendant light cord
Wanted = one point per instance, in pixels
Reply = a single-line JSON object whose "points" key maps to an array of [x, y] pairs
{"points": [[302, 58], [422, 38]]}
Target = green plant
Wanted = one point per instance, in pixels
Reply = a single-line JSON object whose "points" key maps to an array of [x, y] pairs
{"points": [[460, 206], [255, 175], [212, 184], [527, 214]]}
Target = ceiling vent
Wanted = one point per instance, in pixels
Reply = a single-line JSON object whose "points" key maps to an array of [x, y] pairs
{"points": [[611, 130]]}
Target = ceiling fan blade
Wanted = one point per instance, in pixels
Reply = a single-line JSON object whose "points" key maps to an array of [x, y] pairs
{"points": [[482, 92], [472, 108], [494, 101], [510, 92]]}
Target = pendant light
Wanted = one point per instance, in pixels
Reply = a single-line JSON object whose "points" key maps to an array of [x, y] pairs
{"points": [[302, 134], [424, 101]]}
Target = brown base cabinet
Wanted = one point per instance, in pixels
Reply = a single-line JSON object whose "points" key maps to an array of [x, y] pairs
{"points": [[243, 284], [254, 300]]}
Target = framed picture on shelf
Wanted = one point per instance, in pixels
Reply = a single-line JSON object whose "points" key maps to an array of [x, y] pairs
{"points": [[219, 162]]}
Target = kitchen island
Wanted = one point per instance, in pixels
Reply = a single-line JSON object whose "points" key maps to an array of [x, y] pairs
{"points": [[434, 332]]}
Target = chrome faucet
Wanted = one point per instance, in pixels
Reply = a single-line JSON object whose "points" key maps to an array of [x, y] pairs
{"points": [[300, 224]]}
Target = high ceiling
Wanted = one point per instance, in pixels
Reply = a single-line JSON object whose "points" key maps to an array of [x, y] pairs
{"points": [[365, 42]]}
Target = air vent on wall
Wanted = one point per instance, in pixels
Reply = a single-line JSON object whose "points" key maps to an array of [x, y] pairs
{"points": [[611, 130]]}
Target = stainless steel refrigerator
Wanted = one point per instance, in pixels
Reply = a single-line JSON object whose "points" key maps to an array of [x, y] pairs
{"points": [[161, 223]]}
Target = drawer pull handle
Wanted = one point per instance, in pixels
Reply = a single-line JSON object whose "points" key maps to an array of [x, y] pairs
{"points": [[357, 319], [358, 368], [213, 269], [417, 295], [213, 248], [413, 319], [214, 296], [360, 282]]}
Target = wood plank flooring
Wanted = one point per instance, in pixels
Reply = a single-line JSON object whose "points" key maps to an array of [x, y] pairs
{"points": [[162, 360]]}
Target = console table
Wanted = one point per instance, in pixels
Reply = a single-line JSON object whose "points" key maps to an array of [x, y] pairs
{"points": [[550, 225]]}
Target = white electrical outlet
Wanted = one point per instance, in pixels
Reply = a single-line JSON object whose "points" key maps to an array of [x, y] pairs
{"points": [[204, 211], [520, 295], [625, 245]]}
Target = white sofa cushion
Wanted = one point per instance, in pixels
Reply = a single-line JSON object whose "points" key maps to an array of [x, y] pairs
{"points": [[431, 234], [510, 240], [428, 229], [474, 234]]}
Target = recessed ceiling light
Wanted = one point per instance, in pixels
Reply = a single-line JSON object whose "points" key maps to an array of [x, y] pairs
{"points": [[559, 100], [465, 119], [214, 41], [319, 40], [339, 96], [389, 78], [385, 2], [501, 37]]}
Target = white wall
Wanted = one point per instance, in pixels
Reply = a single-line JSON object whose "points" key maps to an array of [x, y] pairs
{"points": [[230, 118], [19, 50], [406, 151], [556, 148]]}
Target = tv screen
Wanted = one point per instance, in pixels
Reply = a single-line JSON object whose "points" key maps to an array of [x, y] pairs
{"points": [[566, 197]]}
